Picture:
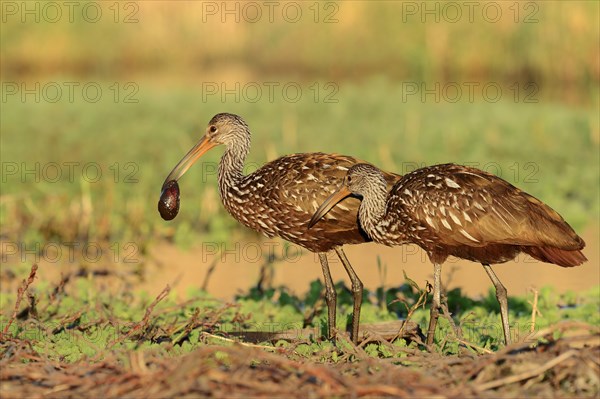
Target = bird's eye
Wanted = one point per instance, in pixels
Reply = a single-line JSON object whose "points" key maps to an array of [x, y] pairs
{"points": [[349, 179], [213, 129]]}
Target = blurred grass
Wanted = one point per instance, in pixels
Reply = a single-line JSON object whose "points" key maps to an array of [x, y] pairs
{"points": [[368, 52], [553, 43], [549, 150]]}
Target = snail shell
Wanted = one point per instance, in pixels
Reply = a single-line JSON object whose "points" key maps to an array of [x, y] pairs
{"points": [[168, 204]]}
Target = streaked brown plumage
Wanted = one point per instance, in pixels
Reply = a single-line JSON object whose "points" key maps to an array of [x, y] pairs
{"points": [[279, 199], [453, 210]]}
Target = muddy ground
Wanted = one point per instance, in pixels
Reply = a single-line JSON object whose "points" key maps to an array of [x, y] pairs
{"points": [[227, 270]]}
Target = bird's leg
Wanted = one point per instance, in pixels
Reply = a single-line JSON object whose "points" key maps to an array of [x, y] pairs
{"points": [[434, 311], [357, 294], [330, 295], [502, 300]]}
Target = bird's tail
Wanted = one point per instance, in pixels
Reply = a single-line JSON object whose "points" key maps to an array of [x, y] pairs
{"points": [[561, 244], [554, 232], [560, 257]]}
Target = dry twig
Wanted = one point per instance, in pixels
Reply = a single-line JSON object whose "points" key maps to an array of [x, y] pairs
{"points": [[526, 374], [534, 310], [24, 286], [144, 321]]}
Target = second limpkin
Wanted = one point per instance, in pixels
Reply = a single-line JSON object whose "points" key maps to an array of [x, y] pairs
{"points": [[453, 210], [280, 197]]}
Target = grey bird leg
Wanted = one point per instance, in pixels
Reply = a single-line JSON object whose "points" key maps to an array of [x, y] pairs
{"points": [[434, 311], [357, 294], [330, 295], [502, 300]]}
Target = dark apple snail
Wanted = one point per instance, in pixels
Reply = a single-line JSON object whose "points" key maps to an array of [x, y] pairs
{"points": [[168, 204]]}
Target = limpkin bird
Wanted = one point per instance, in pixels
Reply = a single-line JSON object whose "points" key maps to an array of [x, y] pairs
{"points": [[453, 210], [279, 199]]}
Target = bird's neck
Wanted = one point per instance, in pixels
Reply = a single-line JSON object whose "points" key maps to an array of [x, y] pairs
{"points": [[372, 209], [231, 167]]}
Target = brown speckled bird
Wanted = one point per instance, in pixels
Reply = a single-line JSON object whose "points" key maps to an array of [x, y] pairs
{"points": [[453, 210], [279, 199]]}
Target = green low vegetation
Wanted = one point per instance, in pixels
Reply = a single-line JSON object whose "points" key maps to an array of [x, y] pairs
{"points": [[75, 319]]}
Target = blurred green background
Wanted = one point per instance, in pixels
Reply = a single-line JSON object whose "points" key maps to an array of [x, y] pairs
{"points": [[99, 101]]}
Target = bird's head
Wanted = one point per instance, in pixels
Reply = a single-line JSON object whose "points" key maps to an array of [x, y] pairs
{"points": [[227, 129], [360, 180]]}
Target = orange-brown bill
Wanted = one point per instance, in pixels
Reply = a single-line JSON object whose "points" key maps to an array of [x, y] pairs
{"points": [[168, 204], [188, 160], [329, 203]]}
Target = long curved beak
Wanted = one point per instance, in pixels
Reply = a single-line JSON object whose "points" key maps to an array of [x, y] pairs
{"points": [[329, 203], [188, 160]]}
